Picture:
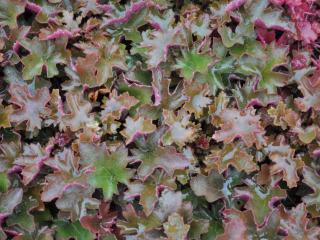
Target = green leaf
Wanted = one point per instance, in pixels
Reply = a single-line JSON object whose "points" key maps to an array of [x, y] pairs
{"points": [[110, 168], [4, 182], [67, 230], [153, 156], [193, 62], [9, 200], [246, 95], [140, 92], [270, 17], [129, 28], [5, 113], [264, 68], [215, 229], [44, 54], [260, 200], [22, 216], [250, 47], [217, 75], [9, 11]]}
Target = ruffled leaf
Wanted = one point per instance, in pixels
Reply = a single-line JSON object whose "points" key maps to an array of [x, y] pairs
{"points": [[148, 190], [115, 104], [153, 156], [44, 54], [198, 100], [192, 62], [260, 200], [175, 228], [78, 109], [244, 124], [136, 127], [159, 43], [32, 159], [5, 113], [96, 68], [102, 222], [208, 186], [110, 168], [9, 11], [231, 155], [22, 215], [67, 173], [67, 230], [180, 129], [285, 163], [295, 223], [9, 200], [312, 179], [31, 106]]}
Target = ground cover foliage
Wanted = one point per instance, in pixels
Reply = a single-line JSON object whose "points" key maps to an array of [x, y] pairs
{"points": [[156, 119]]}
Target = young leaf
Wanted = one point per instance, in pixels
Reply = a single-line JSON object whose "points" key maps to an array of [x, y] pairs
{"points": [[271, 17], [115, 104], [310, 98], [180, 129], [164, 98], [283, 117], [247, 95], [264, 69], [215, 78], [192, 62], [110, 168], [198, 100]]}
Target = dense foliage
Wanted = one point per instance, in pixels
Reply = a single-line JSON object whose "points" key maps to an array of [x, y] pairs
{"points": [[158, 119]]}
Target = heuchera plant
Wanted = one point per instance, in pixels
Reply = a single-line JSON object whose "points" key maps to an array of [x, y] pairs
{"points": [[159, 120]]}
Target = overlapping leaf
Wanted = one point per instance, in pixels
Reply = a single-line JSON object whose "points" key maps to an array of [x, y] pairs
{"points": [[155, 119]]}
